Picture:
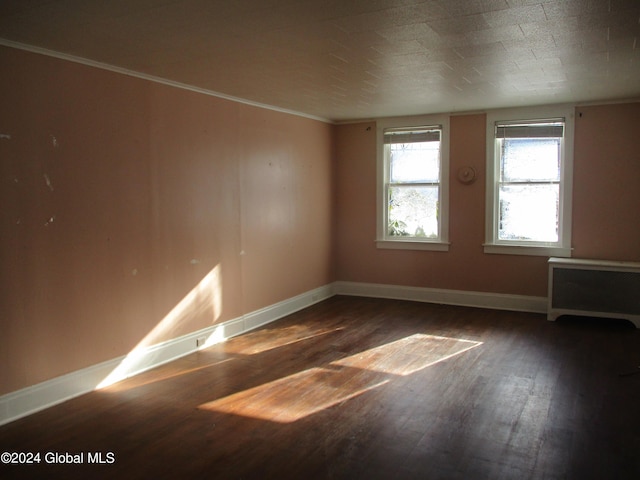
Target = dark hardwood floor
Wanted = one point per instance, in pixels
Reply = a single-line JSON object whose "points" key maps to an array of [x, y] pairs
{"points": [[368, 389]]}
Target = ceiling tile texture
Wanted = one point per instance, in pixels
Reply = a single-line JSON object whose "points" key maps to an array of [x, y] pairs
{"points": [[354, 59]]}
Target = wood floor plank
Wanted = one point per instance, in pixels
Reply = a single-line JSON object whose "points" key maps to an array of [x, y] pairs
{"points": [[365, 388]]}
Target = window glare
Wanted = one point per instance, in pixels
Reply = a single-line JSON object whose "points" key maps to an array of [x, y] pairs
{"points": [[529, 212], [529, 181], [415, 162], [530, 159]]}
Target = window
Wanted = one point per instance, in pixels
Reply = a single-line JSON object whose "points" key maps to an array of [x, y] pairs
{"points": [[529, 188], [413, 193]]}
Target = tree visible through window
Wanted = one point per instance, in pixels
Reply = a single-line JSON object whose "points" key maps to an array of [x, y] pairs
{"points": [[413, 192]]}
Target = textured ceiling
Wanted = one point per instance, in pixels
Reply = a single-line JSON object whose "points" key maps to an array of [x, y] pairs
{"points": [[354, 59]]}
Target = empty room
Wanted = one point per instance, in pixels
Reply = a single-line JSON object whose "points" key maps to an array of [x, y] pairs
{"points": [[320, 239]]}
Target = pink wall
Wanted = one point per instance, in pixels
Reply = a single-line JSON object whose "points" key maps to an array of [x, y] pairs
{"points": [[121, 196], [605, 223], [465, 266], [606, 214]]}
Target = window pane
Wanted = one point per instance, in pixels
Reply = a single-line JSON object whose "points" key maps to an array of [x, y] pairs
{"points": [[529, 212], [415, 162], [413, 211], [534, 159]]}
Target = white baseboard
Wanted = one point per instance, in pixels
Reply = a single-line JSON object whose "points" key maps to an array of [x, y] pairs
{"points": [[37, 397], [498, 301], [32, 399]]}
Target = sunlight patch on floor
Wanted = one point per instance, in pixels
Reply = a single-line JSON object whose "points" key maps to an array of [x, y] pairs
{"points": [[294, 397], [408, 355], [153, 377], [302, 394], [270, 339]]}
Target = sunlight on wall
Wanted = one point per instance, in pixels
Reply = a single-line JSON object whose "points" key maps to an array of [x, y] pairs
{"points": [[304, 393], [205, 299]]}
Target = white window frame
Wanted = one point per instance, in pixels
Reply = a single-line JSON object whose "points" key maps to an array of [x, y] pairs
{"points": [[383, 239], [561, 248]]}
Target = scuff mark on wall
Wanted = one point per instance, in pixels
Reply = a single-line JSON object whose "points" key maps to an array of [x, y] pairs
{"points": [[48, 181], [5, 136], [54, 141], [50, 221]]}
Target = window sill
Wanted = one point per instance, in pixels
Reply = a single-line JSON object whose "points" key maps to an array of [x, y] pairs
{"points": [[413, 245], [532, 250]]}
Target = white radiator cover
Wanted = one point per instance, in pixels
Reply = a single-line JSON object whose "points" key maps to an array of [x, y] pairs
{"points": [[595, 288]]}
